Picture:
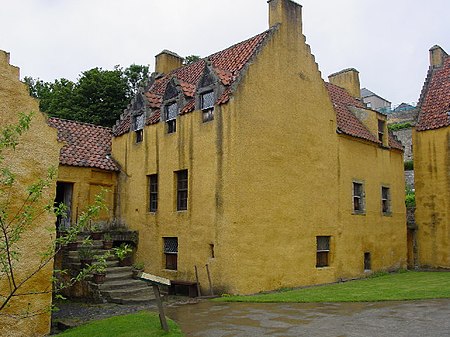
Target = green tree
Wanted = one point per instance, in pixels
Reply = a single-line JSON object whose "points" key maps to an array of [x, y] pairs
{"points": [[191, 59], [98, 97]]}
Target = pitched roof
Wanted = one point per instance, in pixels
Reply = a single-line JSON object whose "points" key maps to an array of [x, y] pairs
{"points": [[367, 93], [434, 103], [347, 122], [86, 145], [227, 65]]}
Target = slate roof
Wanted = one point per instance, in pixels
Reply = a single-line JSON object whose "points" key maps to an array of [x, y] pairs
{"points": [[434, 103], [347, 122], [227, 65], [86, 145]]}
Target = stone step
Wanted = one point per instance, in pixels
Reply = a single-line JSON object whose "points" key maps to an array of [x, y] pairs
{"points": [[75, 253], [132, 299], [135, 291], [110, 264], [111, 284]]}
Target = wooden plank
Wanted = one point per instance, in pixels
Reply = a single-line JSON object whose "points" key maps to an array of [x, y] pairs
{"points": [[162, 316], [198, 284], [154, 279], [209, 280]]}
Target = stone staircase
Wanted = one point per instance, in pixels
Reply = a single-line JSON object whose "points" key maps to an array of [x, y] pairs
{"points": [[119, 286]]}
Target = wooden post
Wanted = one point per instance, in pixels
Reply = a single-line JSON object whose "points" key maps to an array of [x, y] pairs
{"points": [[198, 284], [162, 317], [209, 280]]}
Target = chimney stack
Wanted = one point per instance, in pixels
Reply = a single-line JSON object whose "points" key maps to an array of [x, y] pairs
{"points": [[285, 12], [437, 56], [347, 79], [166, 61]]}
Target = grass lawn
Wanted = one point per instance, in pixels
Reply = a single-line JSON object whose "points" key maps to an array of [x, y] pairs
{"points": [[409, 285], [141, 324]]}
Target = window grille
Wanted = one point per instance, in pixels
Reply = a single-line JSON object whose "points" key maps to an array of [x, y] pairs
{"points": [[171, 111], [138, 122], [207, 100], [171, 253]]}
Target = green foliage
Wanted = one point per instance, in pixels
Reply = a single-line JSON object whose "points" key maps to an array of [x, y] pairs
{"points": [[399, 126], [410, 198], [141, 324], [408, 165], [191, 59], [138, 265], [123, 251], [98, 97], [384, 287]]}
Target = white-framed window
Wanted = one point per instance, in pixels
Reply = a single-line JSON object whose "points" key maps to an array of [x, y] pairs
{"points": [[207, 106], [358, 197]]}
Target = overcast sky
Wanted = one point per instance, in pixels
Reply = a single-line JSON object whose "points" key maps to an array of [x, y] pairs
{"points": [[386, 40]]}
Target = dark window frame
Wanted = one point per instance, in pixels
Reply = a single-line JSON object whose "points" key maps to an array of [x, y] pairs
{"points": [[170, 249], [171, 121], [182, 181], [367, 261], [207, 109], [381, 125], [323, 251], [358, 197], [386, 200], [153, 193]]}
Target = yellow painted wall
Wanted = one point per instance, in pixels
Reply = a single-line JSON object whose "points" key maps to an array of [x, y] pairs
{"points": [[38, 150], [87, 183], [266, 177], [432, 187]]}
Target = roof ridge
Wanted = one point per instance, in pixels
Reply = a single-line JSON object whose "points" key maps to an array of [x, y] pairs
{"points": [[81, 123]]}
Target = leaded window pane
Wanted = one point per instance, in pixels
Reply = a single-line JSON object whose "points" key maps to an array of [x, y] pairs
{"points": [[171, 111], [207, 100], [170, 245], [323, 243], [138, 122]]}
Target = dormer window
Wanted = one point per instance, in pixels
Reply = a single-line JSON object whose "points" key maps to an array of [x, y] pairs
{"points": [[207, 106], [171, 117], [138, 127]]}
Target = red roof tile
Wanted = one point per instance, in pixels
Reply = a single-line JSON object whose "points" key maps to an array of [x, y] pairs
{"points": [[347, 122], [227, 64], [434, 104], [86, 145]]}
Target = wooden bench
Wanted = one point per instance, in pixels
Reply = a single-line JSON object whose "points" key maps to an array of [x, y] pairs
{"points": [[180, 287]]}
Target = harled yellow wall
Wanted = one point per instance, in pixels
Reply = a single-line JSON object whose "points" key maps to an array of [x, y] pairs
{"points": [[38, 150], [87, 183], [266, 177], [432, 187]]}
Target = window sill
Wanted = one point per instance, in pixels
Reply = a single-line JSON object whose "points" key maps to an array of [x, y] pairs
{"points": [[387, 214], [170, 270], [323, 268], [358, 213]]}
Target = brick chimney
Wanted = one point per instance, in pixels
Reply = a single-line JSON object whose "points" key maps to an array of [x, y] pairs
{"points": [[285, 12], [166, 61], [347, 79], [437, 56]]}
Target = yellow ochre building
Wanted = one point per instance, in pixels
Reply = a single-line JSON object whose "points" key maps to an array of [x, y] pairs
{"points": [[247, 161], [431, 142]]}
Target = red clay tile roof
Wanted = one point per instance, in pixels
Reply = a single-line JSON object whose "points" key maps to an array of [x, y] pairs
{"points": [[227, 64], [347, 122], [434, 104], [86, 145]]}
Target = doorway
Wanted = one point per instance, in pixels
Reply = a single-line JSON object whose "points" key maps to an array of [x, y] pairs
{"points": [[64, 193]]}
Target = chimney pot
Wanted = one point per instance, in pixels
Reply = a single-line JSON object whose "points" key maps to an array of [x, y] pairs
{"points": [[166, 61]]}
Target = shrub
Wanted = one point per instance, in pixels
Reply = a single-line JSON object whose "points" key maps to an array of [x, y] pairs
{"points": [[408, 165]]}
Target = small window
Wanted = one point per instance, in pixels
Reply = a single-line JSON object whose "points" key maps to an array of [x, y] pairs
{"points": [[367, 261], [369, 104], [358, 197], [171, 253], [138, 126], [171, 117], [182, 190], [380, 130], [323, 251], [207, 106], [211, 249], [153, 192], [385, 200]]}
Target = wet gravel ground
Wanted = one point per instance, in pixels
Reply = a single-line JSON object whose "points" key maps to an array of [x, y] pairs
{"points": [[209, 319], [367, 319]]}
